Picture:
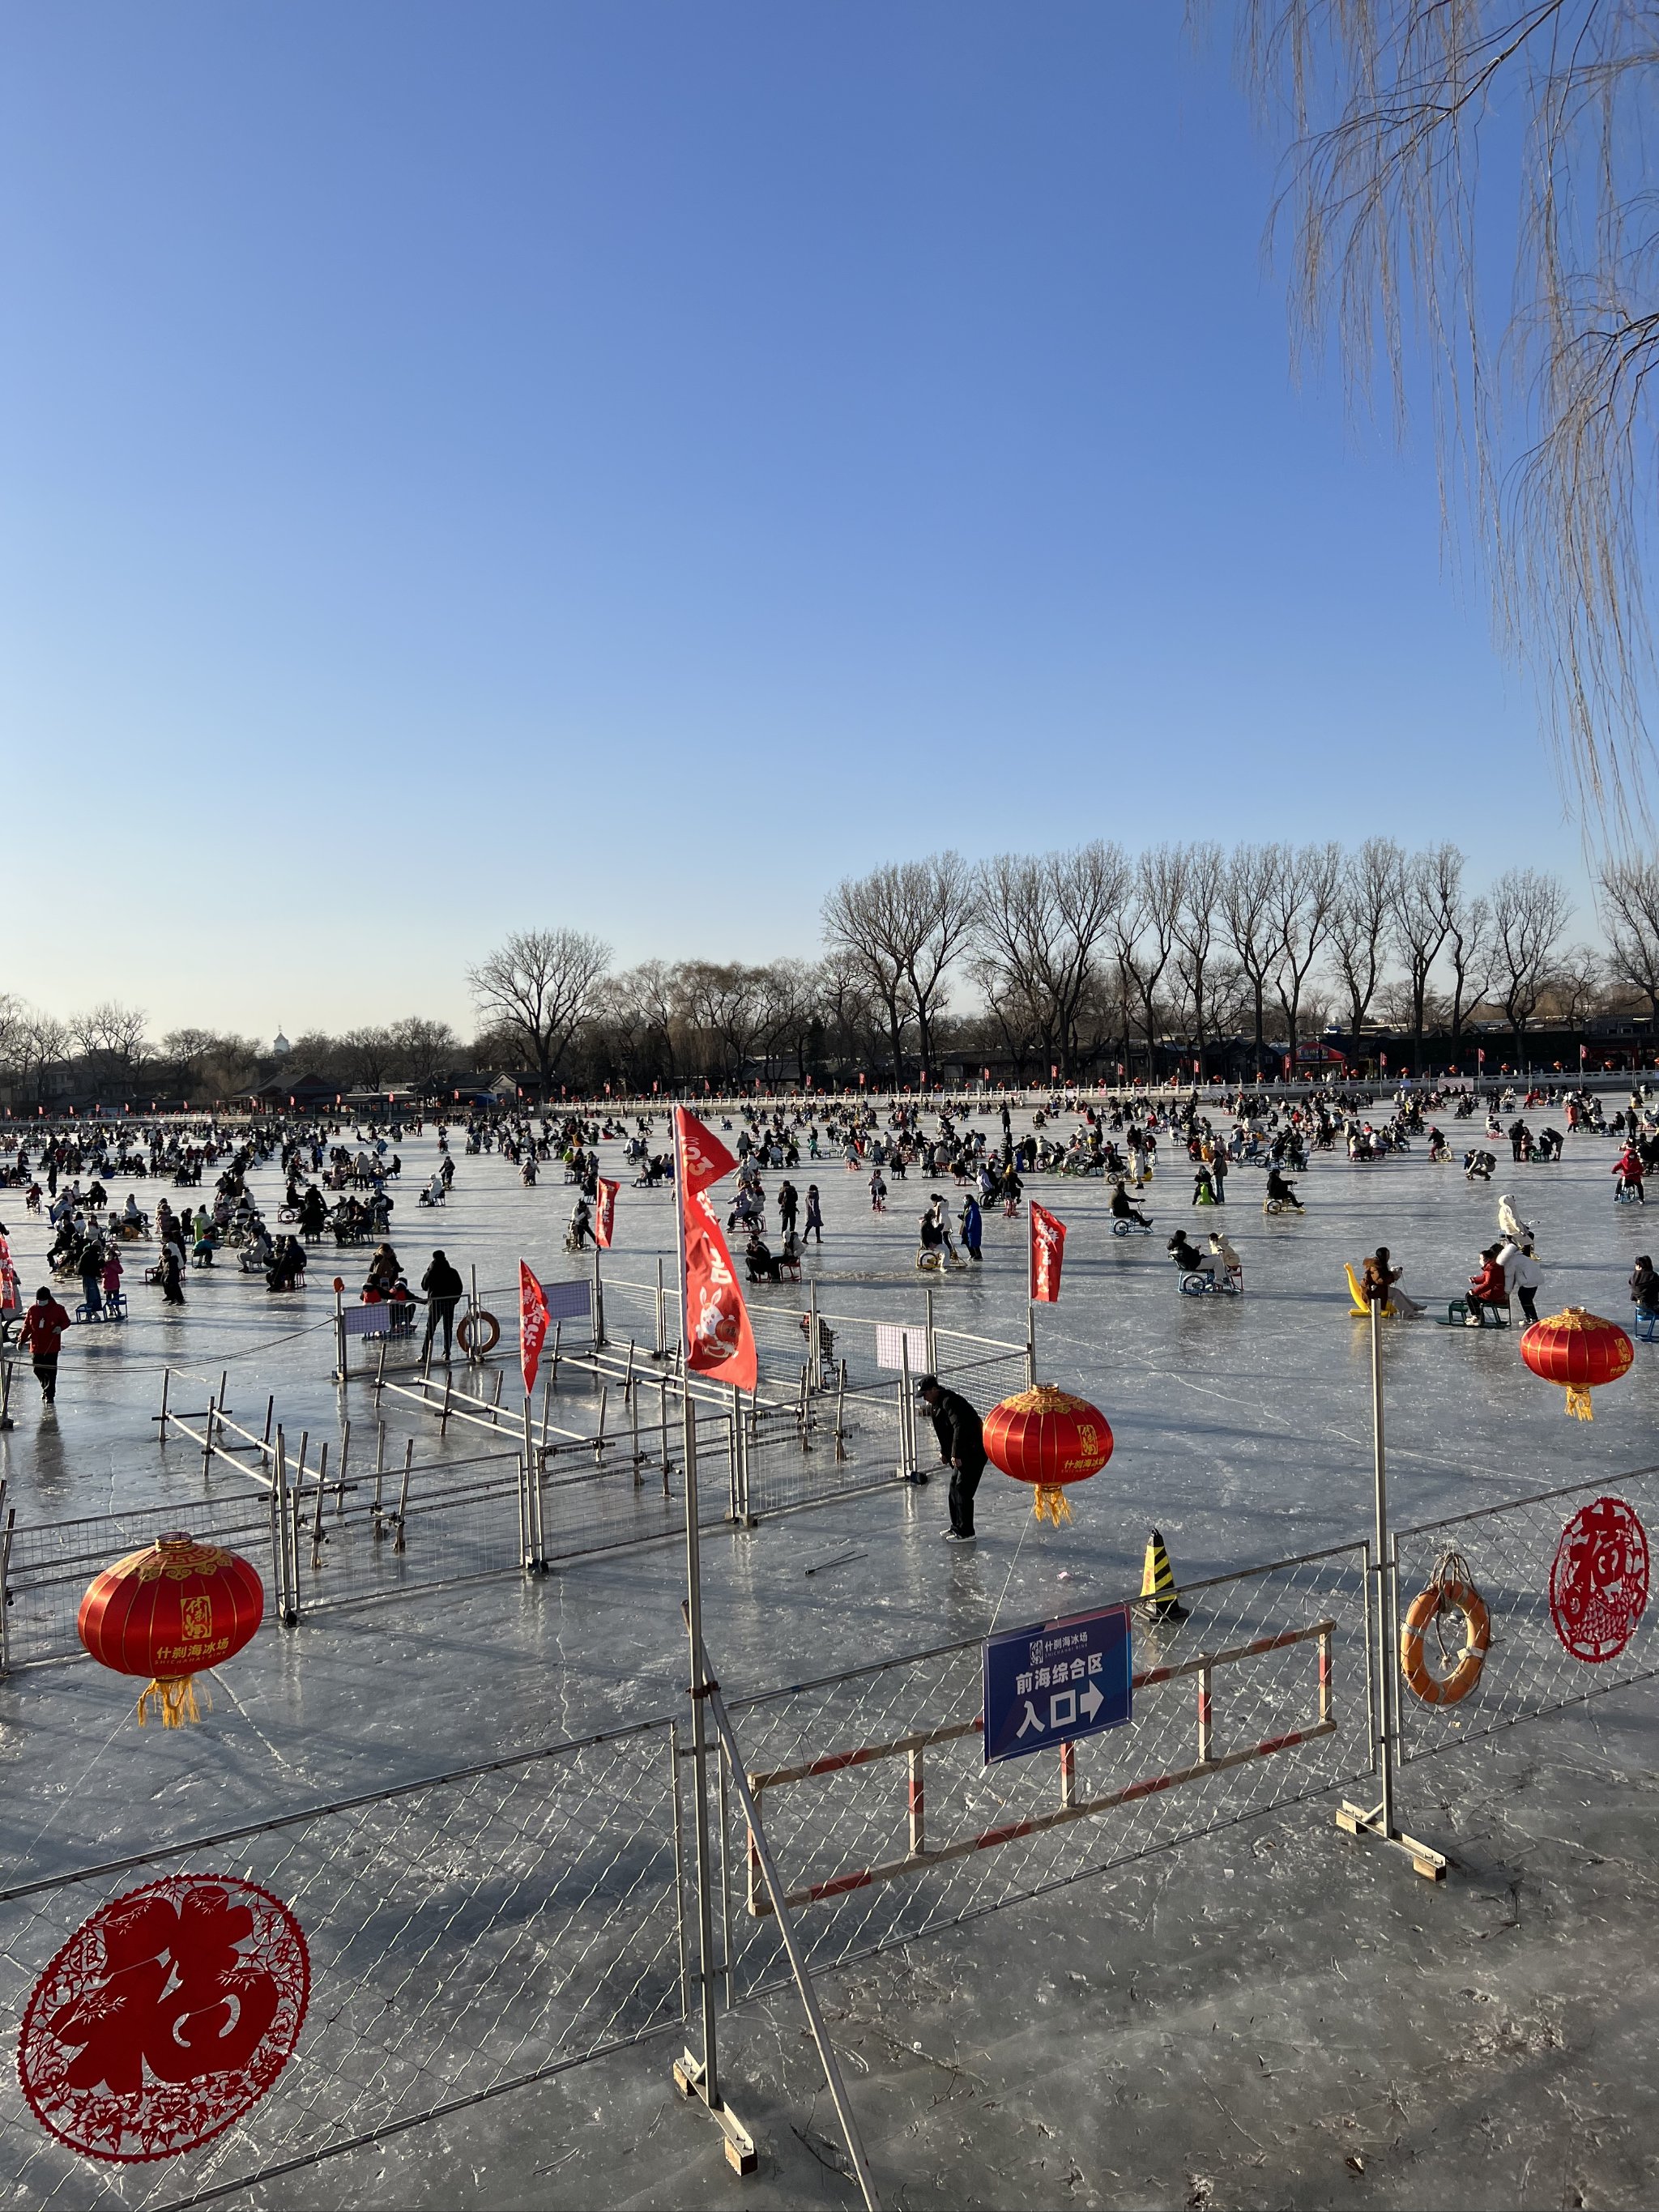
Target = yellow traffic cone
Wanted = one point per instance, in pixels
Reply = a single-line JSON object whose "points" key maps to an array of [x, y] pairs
{"points": [[1158, 1583]]}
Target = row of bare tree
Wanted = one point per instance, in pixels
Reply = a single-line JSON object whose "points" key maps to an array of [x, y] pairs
{"points": [[1076, 960]]}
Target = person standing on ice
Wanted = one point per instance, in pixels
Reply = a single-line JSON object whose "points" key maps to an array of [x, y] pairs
{"points": [[42, 1338], [961, 1440], [443, 1287]]}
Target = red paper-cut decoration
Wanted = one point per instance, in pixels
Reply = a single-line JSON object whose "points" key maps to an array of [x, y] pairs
{"points": [[164, 2017], [1598, 1583]]}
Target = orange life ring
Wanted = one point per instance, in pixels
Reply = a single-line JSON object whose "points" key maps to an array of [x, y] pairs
{"points": [[1427, 1607], [480, 1323]]}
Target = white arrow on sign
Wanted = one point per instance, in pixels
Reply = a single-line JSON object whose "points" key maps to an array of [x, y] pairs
{"points": [[1089, 1703]]}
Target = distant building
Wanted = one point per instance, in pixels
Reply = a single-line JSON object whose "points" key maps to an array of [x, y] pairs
{"points": [[280, 1046]]}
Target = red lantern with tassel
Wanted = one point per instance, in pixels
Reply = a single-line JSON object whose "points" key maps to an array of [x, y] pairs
{"points": [[168, 1613], [1049, 1438], [1577, 1349]]}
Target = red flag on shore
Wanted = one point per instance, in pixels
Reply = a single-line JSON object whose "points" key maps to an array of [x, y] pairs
{"points": [[1048, 1250], [605, 1218], [719, 1341], [532, 1325]]}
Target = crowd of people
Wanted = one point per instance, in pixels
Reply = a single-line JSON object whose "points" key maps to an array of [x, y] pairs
{"points": [[338, 1185]]}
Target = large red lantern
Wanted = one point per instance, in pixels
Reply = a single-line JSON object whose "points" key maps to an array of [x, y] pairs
{"points": [[167, 1612], [1577, 1349], [1048, 1438]]}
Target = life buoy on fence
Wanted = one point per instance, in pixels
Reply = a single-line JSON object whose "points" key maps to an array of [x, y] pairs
{"points": [[1450, 1589], [479, 1325]]}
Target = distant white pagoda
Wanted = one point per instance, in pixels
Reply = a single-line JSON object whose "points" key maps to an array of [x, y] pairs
{"points": [[279, 1045]]}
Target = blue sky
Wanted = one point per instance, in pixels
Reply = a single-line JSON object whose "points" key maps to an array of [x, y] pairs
{"points": [[473, 467]]}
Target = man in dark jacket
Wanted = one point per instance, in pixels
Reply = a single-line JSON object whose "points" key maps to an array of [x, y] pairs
{"points": [[961, 1447], [443, 1287], [42, 1338]]}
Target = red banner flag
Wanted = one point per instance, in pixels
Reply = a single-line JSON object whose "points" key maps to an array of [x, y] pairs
{"points": [[703, 1158], [719, 1341], [532, 1325], [1048, 1250], [604, 1218]]}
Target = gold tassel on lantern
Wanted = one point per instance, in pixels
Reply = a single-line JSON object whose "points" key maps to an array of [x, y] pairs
{"points": [[1578, 1403], [1052, 1503], [175, 1700]]}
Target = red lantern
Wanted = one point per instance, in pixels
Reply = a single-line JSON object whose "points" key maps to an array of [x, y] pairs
{"points": [[1577, 1349], [1047, 1438], [168, 1613]]}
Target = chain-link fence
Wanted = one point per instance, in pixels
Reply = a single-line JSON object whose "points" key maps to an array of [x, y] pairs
{"points": [[390, 1530], [1561, 1580], [466, 1935], [45, 1569], [886, 1822]]}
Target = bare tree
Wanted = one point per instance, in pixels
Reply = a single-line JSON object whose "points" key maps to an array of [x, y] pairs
{"points": [[1367, 900], [1039, 924], [906, 925], [1197, 922], [1247, 902], [790, 1024], [1301, 905], [1425, 892], [1145, 931], [422, 1049], [539, 987], [1409, 118], [1530, 910], [368, 1052], [1574, 986], [1469, 954], [1629, 914], [112, 1034]]}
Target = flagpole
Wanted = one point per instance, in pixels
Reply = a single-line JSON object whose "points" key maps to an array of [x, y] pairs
{"points": [[700, 2078]]}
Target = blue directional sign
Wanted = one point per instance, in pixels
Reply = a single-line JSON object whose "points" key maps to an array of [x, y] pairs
{"points": [[1057, 1681]]}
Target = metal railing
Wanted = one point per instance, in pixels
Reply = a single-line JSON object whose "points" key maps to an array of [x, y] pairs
{"points": [[467, 1935], [1261, 1697], [1530, 1560]]}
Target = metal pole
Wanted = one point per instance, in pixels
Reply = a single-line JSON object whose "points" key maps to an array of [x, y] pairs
{"points": [[1379, 1820], [525, 1463], [906, 1466], [5, 1570], [598, 1304], [761, 1850], [814, 1364], [694, 2076], [927, 1344], [1379, 1461]]}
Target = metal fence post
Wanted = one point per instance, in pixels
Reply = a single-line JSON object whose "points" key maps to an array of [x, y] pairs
{"points": [[1378, 1821], [5, 1570], [759, 1854]]}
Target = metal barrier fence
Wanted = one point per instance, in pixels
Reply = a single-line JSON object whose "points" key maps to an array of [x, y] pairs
{"points": [[466, 1935], [886, 1822], [1533, 1562], [396, 1529], [45, 1569]]}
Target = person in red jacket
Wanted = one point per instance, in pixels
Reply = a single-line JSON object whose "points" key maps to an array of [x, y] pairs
{"points": [[1488, 1288], [42, 1339]]}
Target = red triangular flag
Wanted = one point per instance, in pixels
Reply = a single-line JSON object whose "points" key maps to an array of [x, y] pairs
{"points": [[604, 1218], [532, 1325], [1048, 1250], [719, 1341]]}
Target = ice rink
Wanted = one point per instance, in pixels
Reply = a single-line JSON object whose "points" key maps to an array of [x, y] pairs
{"points": [[1272, 2015]]}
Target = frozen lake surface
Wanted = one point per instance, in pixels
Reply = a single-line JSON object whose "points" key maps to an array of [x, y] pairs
{"points": [[1239, 2020]]}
